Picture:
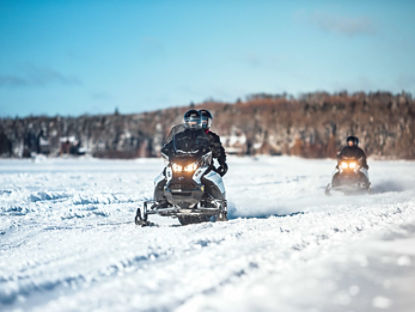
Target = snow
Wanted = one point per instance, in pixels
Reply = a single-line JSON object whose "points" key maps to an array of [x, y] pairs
{"points": [[68, 241]]}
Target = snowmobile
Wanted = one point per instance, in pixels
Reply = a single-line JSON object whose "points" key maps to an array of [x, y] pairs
{"points": [[350, 177], [193, 190]]}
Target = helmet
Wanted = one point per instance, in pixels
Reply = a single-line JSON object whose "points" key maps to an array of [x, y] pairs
{"points": [[352, 139], [192, 119], [206, 117]]}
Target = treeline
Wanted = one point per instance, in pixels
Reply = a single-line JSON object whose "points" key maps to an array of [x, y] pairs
{"points": [[312, 125]]}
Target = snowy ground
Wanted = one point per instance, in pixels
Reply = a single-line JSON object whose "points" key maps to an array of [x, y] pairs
{"points": [[68, 243]]}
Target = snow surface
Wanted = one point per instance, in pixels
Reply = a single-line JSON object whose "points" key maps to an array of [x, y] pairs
{"points": [[68, 241]]}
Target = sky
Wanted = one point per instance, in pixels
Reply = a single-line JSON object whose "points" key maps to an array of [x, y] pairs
{"points": [[89, 57]]}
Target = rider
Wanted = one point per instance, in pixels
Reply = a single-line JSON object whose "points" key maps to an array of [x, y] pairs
{"points": [[353, 151], [192, 127], [218, 151]]}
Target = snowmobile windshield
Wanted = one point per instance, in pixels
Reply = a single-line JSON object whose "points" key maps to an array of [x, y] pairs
{"points": [[175, 130], [192, 142], [350, 158]]}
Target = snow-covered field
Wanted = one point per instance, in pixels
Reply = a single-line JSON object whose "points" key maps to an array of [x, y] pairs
{"points": [[68, 241]]}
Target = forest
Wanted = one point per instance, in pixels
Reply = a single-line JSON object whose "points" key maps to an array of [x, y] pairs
{"points": [[313, 125]]}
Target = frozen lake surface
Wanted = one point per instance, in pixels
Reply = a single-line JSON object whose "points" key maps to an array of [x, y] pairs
{"points": [[68, 241]]}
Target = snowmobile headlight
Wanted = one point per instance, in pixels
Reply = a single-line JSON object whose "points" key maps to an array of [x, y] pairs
{"points": [[191, 167], [344, 165], [352, 165], [177, 167]]}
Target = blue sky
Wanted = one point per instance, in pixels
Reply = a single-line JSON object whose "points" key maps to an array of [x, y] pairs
{"points": [[76, 57]]}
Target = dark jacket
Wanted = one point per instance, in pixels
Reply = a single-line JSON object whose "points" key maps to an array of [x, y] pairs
{"points": [[218, 151], [353, 152], [187, 140], [215, 145]]}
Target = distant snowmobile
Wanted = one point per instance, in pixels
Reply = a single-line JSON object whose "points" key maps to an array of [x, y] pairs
{"points": [[193, 191], [350, 177]]}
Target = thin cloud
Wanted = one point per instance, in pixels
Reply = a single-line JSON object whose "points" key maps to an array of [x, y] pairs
{"points": [[349, 26], [101, 96], [36, 76], [13, 81], [406, 81], [152, 47], [253, 60]]}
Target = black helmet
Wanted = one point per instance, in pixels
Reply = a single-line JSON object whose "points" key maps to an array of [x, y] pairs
{"points": [[206, 117], [353, 139], [192, 119]]}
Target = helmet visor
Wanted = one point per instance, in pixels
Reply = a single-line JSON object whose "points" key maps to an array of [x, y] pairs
{"points": [[206, 122], [352, 141], [192, 119], [193, 122], [206, 118]]}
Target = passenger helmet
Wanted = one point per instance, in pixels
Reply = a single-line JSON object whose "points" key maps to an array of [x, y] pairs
{"points": [[352, 139], [206, 117], [192, 119]]}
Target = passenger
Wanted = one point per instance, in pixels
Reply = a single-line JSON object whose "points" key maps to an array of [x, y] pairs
{"points": [[218, 152]]}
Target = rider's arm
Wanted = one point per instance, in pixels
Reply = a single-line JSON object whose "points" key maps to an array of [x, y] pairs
{"points": [[219, 153], [166, 148], [341, 152], [364, 162]]}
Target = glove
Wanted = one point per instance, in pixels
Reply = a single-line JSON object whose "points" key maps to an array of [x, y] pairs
{"points": [[223, 168]]}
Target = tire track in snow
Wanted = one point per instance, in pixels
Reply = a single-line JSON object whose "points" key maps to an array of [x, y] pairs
{"points": [[277, 246]]}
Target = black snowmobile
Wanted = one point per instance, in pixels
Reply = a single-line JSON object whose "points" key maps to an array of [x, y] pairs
{"points": [[193, 191], [350, 177]]}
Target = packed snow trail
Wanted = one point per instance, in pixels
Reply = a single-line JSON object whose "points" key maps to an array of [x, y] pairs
{"points": [[68, 241]]}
